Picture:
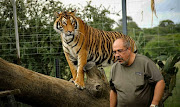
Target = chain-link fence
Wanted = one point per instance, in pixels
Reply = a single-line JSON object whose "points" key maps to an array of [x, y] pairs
{"points": [[37, 37]]}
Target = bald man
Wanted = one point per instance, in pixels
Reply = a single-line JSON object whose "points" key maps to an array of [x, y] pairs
{"points": [[135, 80]]}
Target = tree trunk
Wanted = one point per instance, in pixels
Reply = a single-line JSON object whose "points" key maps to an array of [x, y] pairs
{"points": [[41, 90]]}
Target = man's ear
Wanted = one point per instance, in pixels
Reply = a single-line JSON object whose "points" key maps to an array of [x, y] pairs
{"points": [[56, 14], [130, 48]]}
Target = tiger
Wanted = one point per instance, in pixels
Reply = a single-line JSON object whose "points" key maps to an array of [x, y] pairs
{"points": [[82, 43]]}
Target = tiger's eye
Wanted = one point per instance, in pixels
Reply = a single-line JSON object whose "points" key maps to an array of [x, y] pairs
{"points": [[72, 20], [64, 21]]}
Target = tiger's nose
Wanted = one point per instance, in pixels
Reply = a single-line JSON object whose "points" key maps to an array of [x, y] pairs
{"points": [[69, 32]]}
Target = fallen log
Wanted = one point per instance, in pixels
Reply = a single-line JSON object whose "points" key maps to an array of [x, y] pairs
{"points": [[42, 90]]}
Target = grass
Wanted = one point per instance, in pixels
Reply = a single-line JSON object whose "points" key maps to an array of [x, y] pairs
{"points": [[172, 101]]}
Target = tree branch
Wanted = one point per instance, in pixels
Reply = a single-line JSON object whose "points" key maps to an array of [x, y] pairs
{"points": [[41, 90]]}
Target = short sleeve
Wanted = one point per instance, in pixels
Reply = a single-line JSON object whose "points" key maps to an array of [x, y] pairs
{"points": [[153, 72], [112, 79]]}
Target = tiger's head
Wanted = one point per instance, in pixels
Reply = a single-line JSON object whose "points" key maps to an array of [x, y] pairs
{"points": [[66, 24]]}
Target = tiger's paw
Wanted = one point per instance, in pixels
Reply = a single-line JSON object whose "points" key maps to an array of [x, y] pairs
{"points": [[71, 80], [79, 85]]}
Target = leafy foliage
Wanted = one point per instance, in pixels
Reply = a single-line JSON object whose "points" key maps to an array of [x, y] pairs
{"points": [[169, 71], [168, 45], [38, 40], [97, 17], [131, 25]]}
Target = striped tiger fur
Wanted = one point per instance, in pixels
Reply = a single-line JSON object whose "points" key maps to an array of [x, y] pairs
{"points": [[83, 43]]}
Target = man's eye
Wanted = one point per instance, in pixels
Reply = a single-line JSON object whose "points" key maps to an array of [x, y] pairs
{"points": [[119, 50]]}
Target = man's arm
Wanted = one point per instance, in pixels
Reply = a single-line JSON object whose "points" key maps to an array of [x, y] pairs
{"points": [[158, 92], [113, 98]]}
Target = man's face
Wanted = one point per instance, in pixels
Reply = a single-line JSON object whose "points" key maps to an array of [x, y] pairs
{"points": [[121, 53]]}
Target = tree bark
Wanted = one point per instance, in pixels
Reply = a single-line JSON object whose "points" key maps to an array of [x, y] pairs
{"points": [[9, 92], [41, 90]]}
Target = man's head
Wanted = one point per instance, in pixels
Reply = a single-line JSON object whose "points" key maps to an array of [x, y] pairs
{"points": [[122, 51]]}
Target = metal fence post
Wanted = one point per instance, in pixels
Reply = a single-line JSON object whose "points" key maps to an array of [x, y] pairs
{"points": [[124, 19], [57, 68], [16, 31]]}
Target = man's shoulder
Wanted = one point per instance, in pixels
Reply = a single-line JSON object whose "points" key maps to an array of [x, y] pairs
{"points": [[144, 60], [113, 70], [115, 64], [142, 57]]}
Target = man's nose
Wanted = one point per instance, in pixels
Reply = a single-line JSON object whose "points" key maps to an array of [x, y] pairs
{"points": [[117, 55]]}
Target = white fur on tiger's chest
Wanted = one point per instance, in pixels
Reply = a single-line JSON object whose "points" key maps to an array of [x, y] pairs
{"points": [[70, 50], [68, 47]]}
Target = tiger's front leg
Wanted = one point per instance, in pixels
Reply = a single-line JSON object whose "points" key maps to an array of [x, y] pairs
{"points": [[82, 61], [72, 67]]}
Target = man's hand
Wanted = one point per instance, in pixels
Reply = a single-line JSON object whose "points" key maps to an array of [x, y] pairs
{"points": [[113, 98], [158, 92]]}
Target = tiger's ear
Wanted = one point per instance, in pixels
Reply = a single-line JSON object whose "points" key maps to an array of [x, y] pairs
{"points": [[73, 12], [56, 14]]}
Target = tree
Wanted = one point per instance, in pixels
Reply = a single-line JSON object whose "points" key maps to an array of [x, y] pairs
{"points": [[97, 17], [41, 90], [167, 45], [177, 28], [129, 19], [166, 26], [130, 25], [166, 23]]}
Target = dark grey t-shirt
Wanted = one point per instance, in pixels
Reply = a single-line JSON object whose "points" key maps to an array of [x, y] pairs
{"points": [[135, 84]]}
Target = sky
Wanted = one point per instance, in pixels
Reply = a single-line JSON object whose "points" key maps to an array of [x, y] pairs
{"points": [[139, 10]]}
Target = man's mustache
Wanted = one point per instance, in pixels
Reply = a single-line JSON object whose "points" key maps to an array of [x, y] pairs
{"points": [[119, 58]]}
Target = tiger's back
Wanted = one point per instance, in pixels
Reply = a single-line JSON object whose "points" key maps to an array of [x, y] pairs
{"points": [[100, 45]]}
